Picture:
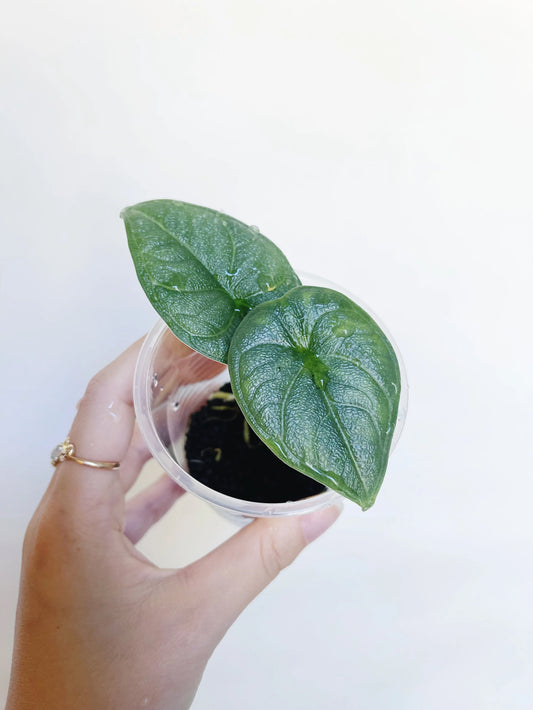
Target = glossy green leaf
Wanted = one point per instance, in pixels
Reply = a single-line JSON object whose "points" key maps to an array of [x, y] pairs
{"points": [[319, 382], [202, 270]]}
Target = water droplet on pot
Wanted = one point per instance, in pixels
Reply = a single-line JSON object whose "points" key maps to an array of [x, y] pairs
{"points": [[254, 228], [155, 380]]}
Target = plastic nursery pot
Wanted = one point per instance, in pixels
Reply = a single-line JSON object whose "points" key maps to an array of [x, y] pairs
{"points": [[172, 381]]}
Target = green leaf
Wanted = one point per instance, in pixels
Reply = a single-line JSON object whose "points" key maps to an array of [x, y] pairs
{"points": [[319, 383], [202, 270]]}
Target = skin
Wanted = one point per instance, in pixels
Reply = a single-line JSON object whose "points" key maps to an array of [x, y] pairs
{"points": [[99, 625]]}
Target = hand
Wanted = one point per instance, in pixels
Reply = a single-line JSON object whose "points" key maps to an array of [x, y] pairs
{"points": [[98, 625]]}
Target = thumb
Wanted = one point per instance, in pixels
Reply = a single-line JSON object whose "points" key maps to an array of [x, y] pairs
{"points": [[227, 579]]}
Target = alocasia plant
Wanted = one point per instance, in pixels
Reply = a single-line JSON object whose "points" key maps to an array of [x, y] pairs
{"points": [[312, 372]]}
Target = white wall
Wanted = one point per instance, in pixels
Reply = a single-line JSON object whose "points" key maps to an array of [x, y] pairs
{"points": [[385, 145]]}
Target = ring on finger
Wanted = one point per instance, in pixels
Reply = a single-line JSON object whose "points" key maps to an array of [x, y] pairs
{"points": [[67, 452]]}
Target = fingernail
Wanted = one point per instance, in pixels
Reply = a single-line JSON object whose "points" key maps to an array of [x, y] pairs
{"points": [[314, 524]]}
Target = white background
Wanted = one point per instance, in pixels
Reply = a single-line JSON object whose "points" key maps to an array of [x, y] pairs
{"points": [[384, 145]]}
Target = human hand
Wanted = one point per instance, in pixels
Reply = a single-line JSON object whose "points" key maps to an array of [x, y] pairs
{"points": [[98, 625]]}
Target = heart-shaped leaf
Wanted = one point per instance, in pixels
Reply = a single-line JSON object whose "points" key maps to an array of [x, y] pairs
{"points": [[319, 382], [202, 270]]}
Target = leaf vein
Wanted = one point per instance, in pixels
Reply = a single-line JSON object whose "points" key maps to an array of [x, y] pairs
{"points": [[363, 369], [182, 244], [181, 291], [344, 436], [349, 405], [284, 402]]}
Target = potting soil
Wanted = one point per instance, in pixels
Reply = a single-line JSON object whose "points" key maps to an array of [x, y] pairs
{"points": [[224, 453]]}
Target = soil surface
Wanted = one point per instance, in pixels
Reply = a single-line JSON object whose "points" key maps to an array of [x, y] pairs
{"points": [[225, 454]]}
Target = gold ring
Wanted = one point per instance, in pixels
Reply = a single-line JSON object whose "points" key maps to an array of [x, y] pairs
{"points": [[67, 452]]}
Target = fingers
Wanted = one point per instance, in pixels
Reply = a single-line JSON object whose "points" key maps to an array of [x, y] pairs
{"points": [[226, 580], [138, 454], [103, 426], [148, 506], [101, 431]]}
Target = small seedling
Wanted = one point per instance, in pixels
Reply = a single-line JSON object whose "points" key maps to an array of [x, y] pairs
{"points": [[314, 375]]}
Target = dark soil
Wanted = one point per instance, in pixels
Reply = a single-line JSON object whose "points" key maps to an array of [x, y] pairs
{"points": [[225, 454]]}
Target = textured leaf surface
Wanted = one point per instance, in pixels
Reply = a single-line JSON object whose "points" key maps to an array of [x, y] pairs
{"points": [[319, 382], [202, 270]]}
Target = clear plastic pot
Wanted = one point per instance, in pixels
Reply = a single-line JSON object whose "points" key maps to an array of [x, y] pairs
{"points": [[171, 382]]}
